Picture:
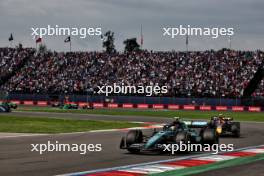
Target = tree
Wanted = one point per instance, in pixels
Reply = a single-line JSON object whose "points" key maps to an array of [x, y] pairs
{"points": [[108, 42], [131, 45]]}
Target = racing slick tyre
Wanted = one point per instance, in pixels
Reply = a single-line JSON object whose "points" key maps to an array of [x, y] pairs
{"points": [[134, 136], [235, 129], [14, 106], [209, 136], [183, 137]]}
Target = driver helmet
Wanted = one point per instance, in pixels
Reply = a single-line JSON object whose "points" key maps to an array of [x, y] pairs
{"points": [[214, 118], [173, 128], [221, 116], [177, 118]]}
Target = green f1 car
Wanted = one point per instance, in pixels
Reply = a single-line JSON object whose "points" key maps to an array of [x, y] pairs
{"points": [[7, 106], [70, 106], [10, 104], [4, 107], [174, 133]]}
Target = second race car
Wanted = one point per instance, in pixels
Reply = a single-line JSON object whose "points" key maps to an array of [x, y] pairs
{"points": [[227, 124]]}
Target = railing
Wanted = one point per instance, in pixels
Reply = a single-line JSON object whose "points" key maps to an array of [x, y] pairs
{"points": [[253, 101], [146, 106]]}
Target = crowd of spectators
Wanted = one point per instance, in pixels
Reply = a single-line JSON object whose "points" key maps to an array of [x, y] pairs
{"points": [[260, 90], [10, 59], [222, 73]]}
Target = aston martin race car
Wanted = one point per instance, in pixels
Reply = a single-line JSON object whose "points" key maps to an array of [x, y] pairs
{"points": [[5, 108], [70, 106], [10, 104], [227, 124], [174, 133]]}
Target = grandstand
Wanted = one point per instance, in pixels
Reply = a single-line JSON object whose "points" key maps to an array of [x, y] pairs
{"points": [[223, 73]]}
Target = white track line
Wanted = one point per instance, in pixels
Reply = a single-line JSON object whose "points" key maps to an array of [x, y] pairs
{"points": [[84, 132], [22, 135]]}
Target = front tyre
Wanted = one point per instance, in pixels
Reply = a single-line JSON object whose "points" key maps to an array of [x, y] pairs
{"points": [[182, 137], [133, 137]]}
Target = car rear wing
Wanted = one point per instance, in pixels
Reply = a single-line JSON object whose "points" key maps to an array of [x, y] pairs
{"points": [[196, 124]]}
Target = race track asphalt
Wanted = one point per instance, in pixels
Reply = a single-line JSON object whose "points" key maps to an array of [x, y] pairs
{"points": [[17, 159]]}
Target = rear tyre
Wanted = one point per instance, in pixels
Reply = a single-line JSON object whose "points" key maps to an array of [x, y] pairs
{"points": [[183, 137], [209, 136], [134, 136], [235, 129]]}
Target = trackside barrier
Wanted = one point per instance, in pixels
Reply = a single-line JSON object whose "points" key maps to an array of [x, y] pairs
{"points": [[28, 102], [83, 104], [142, 106], [112, 105], [158, 106], [174, 107], [15, 101], [42, 103], [98, 105], [148, 106], [205, 108], [238, 108], [188, 107], [127, 105], [254, 109], [221, 108]]}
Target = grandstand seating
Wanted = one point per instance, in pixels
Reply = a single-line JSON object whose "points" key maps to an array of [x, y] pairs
{"points": [[211, 73]]}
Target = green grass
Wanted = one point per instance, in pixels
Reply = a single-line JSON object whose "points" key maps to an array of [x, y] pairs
{"points": [[48, 125], [240, 116]]}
